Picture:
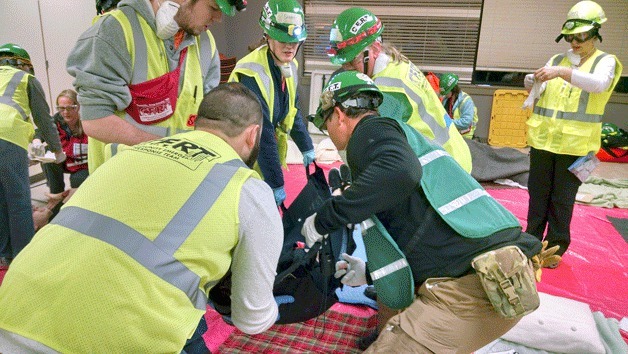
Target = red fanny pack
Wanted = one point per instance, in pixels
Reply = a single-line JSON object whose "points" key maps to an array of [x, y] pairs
{"points": [[155, 100]]}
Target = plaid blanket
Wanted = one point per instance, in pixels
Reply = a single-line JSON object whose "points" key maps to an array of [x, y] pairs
{"points": [[335, 331]]}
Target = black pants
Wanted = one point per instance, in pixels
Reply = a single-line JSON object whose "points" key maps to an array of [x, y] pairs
{"points": [[55, 180], [552, 189]]}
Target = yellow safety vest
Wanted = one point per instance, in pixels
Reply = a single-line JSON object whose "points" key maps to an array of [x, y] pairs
{"points": [[149, 61], [118, 272], [15, 123], [566, 119], [256, 65], [428, 114], [469, 133]]}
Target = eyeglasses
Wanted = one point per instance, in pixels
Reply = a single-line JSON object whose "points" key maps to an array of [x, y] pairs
{"points": [[579, 37], [70, 108]]}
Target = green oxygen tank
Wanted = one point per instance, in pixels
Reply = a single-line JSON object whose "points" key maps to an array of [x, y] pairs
{"points": [[388, 266]]}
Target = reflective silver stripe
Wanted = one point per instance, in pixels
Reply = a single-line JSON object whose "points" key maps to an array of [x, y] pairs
{"points": [[431, 156], [558, 59], [259, 69], [441, 134], [545, 112], [205, 53], [157, 256], [9, 92], [152, 129], [462, 201], [581, 114], [389, 268], [293, 67], [580, 117], [114, 149], [140, 64]]}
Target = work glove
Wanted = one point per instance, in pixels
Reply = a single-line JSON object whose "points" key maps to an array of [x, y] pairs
{"points": [[60, 157], [37, 148], [280, 195], [353, 269], [545, 259], [309, 231], [528, 82], [282, 300], [308, 157]]}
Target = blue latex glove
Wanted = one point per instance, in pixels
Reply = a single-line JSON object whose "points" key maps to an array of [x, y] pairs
{"points": [[308, 157], [280, 195], [282, 300]]}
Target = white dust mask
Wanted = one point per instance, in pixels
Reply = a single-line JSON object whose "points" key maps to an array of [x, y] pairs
{"points": [[573, 57], [164, 18], [286, 70]]}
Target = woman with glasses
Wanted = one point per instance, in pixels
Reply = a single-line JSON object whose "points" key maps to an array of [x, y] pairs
{"points": [[566, 122], [74, 144], [270, 71]]}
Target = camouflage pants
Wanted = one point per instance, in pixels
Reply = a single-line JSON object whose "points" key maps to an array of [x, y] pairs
{"points": [[449, 315]]}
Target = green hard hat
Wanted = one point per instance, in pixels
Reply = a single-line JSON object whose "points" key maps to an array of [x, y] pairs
{"points": [[447, 83], [609, 129], [583, 17], [353, 30], [15, 51], [229, 7], [283, 21], [342, 89]]}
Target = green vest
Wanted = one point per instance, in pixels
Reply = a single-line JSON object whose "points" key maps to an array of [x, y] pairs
{"points": [[467, 134], [566, 119], [121, 272], [458, 198], [149, 61], [428, 114], [15, 123], [256, 65]]}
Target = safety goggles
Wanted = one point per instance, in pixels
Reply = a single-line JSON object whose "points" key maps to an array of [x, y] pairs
{"points": [[16, 62], [70, 108], [324, 111], [578, 37]]}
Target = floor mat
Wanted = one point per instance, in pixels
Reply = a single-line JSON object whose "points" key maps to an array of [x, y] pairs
{"points": [[336, 331], [593, 269]]}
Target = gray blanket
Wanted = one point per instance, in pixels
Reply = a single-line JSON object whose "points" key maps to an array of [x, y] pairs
{"points": [[490, 164]]}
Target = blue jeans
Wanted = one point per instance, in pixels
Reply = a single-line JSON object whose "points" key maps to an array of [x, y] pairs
{"points": [[16, 214]]}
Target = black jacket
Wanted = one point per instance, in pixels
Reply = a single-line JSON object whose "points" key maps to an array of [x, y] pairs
{"points": [[386, 176]]}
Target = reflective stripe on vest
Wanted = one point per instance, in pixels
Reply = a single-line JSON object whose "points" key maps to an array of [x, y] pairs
{"points": [[580, 115], [441, 134], [460, 201], [9, 92], [460, 204], [157, 256]]}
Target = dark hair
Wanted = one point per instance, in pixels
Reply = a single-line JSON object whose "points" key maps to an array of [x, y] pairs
{"points": [[230, 107]]}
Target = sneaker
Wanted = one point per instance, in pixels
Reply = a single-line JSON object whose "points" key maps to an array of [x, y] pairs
{"points": [[4, 263]]}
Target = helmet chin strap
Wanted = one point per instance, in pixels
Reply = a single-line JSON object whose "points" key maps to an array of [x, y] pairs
{"points": [[365, 61]]}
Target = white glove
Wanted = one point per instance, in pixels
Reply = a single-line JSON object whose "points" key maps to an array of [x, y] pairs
{"points": [[309, 231], [353, 269], [37, 148], [528, 81], [59, 157]]}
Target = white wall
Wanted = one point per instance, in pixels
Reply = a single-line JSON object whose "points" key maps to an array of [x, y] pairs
{"points": [[61, 23]]}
